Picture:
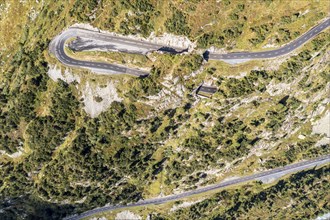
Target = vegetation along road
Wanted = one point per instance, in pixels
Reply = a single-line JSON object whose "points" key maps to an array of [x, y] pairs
{"points": [[122, 44], [270, 174]]}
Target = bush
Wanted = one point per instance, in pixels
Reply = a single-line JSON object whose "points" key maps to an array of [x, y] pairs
{"points": [[178, 24], [261, 31], [211, 39]]}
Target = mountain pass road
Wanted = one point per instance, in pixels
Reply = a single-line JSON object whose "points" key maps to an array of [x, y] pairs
{"points": [[125, 44]]}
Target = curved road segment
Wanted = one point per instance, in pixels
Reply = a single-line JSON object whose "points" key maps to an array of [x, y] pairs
{"points": [[273, 53], [275, 173], [122, 44]]}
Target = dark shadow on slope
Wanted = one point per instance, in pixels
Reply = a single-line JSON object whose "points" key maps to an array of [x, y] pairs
{"points": [[206, 55], [143, 76], [82, 44], [33, 209], [171, 50]]}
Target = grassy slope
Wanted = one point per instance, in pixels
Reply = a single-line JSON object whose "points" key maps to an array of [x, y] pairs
{"points": [[215, 17]]}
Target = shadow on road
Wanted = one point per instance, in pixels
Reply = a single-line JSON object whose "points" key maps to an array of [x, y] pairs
{"points": [[206, 55], [171, 50]]}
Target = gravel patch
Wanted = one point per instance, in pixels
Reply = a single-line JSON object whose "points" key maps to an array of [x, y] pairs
{"points": [[55, 74], [125, 215], [97, 99], [184, 205], [322, 126]]}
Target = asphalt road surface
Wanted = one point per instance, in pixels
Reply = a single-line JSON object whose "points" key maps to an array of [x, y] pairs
{"points": [[267, 174], [112, 42], [273, 53]]}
